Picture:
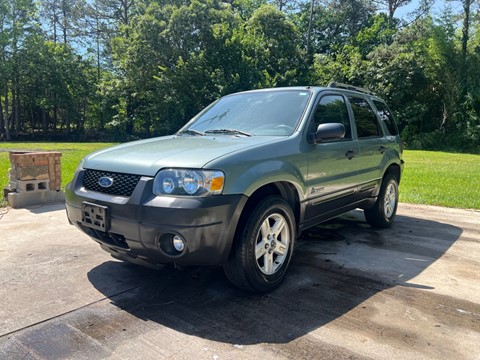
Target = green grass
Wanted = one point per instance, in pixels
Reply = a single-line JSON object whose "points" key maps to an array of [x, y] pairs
{"points": [[443, 179], [72, 153], [431, 178]]}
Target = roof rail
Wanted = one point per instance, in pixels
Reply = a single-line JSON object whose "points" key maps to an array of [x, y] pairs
{"points": [[337, 85]]}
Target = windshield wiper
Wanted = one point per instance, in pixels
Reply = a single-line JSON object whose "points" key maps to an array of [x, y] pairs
{"points": [[227, 131], [190, 132]]}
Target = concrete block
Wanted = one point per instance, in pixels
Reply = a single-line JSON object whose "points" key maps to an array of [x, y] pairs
{"points": [[25, 199], [32, 185]]}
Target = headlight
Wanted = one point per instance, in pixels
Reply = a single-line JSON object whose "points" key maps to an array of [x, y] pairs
{"points": [[188, 182]]}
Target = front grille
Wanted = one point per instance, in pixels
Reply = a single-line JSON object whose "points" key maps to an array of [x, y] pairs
{"points": [[123, 184]]}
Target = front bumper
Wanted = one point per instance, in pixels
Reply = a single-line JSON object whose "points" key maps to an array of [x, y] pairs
{"points": [[140, 227]]}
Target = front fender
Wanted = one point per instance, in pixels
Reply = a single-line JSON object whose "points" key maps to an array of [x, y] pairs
{"points": [[251, 178], [281, 160]]}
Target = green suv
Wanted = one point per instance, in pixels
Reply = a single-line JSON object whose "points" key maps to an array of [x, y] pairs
{"points": [[240, 181]]}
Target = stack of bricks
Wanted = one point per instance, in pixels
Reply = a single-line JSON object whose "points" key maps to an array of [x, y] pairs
{"points": [[35, 171]]}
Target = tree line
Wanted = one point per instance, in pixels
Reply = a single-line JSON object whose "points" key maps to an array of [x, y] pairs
{"points": [[127, 69]]}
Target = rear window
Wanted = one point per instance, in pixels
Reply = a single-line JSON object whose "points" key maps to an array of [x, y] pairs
{"points": [[386, 117], [365, 118]]}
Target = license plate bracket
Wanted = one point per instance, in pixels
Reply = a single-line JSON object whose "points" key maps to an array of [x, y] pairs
{"points": [[95, 216]]}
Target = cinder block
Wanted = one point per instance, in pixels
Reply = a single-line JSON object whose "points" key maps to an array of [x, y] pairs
{"points": [[22, 200], [32, 185]]}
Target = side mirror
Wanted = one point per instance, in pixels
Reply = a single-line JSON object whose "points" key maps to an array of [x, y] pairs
{"points": [[329, 131]]}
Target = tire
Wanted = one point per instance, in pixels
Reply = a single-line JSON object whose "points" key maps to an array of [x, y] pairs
{"points": [[262, 251], [383, 213]]}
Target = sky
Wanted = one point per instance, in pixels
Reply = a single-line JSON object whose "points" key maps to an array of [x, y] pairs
{"points": [[439, 5]]}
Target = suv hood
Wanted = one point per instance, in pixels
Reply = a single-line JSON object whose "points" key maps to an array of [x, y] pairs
{"points": [[147, 157]]}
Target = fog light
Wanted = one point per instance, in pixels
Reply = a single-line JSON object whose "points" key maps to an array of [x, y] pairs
{"points": [[178, 243]]}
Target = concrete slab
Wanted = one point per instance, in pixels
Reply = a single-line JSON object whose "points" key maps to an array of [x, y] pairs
{"points": [[410, 292], [24, 199], [44, 263]]}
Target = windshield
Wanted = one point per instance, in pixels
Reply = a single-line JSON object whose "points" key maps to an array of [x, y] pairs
{"points": [[267, 113]]}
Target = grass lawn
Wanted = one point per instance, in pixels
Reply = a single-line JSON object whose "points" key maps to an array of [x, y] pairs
{"points": [[443, 179], [431, 178]]}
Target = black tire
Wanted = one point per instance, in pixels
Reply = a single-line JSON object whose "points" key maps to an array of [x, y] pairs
{"points": [[383, 213], [247, 268]]}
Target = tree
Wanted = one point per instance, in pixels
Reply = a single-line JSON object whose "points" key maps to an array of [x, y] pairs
{"points": [[392, 6], [63, 16], [466, 5], [17, 23], [327, 26], [4, 71], [118, 13], [175, 63], [271, 44]]}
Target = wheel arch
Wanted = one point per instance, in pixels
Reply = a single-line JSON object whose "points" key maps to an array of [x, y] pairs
{"points": [[284, 189], [395, 170]]}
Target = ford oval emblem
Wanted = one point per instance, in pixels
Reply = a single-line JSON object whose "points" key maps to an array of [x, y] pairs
{"points": [[105, 181]]}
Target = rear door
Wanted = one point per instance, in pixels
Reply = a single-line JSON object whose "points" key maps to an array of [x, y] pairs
{"points": [[372, 145]]}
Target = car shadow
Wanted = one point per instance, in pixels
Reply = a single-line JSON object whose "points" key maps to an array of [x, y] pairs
{"points": [[336, 267], [45, 208]]}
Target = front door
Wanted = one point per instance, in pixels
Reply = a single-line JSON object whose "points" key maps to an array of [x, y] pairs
{"points": [[332, 165]]}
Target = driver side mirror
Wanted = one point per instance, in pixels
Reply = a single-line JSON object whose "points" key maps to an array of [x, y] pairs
{"points": [[328, 132]]}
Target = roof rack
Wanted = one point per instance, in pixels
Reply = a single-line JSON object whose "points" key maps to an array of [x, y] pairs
{"points": [[337, 85]]}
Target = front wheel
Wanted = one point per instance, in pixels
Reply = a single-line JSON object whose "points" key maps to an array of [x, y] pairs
{"points": [[263, 247], [385, 209]]}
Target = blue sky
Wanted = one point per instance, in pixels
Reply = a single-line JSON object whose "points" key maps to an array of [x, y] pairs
{"points": [[436, 10]]}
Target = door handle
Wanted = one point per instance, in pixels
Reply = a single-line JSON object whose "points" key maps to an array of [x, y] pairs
{"points": [[350, 154], [382, 149]]}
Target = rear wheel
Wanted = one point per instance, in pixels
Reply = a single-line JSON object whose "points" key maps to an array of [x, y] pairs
{"points": [[385, 209], [263, 247]]}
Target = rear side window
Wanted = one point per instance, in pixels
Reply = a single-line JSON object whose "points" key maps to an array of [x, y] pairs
{"points": [[365, 118], [386, 116], [332, 109]]}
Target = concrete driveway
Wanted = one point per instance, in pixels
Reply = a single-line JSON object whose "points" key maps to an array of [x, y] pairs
{"points": [[410, 292]]}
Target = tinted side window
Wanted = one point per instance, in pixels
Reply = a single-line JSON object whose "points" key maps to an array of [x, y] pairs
{"points": [[332, 109], [365, 118], [386, 117]]}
